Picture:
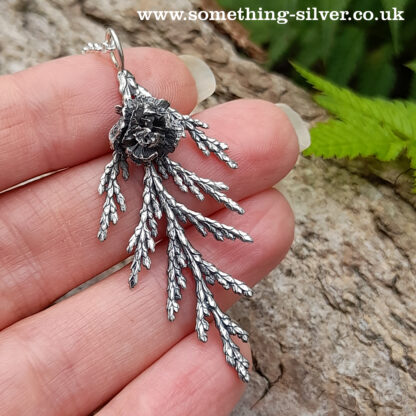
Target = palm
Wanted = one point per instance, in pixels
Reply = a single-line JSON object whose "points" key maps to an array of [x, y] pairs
{"points": [[110, 343]]}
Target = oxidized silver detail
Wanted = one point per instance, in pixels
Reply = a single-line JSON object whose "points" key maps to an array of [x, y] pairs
{"points": [[147, 131]]}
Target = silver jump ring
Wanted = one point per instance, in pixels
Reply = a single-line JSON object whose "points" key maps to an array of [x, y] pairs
{"points": [[117, 55]]}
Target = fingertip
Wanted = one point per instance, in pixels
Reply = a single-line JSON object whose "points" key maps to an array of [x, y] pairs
{"points": [[161, 72], [174, 82], [260, 137], [191, 378], [58, 114], [227, 376], [282, 148], [273, 228], [285, 226], [290, 148], [275, 222]]}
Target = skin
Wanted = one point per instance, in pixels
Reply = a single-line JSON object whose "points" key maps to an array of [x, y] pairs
{"points": [[110, 347]]}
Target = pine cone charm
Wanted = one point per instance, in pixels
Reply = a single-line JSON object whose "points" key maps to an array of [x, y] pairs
{"points": [[146, 129]]}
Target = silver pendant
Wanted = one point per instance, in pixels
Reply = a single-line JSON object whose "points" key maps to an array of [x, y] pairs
{"points": [[146, 133]]}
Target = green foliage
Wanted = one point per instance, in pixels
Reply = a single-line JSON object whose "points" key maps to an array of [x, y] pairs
{"points": [[394, 24], [362, 126], [368, 56], [412, 65]]}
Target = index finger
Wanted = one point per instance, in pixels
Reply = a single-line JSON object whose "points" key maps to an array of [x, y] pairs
{"points": [[58, 114]]}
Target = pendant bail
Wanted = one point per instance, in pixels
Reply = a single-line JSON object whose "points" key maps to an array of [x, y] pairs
{"points": [[116, 52], [112, 45]]}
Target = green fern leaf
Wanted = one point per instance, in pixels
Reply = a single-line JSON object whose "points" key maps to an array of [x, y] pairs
{"points": [[363, 126], [398, 115], [340, 139], [412, 65]]}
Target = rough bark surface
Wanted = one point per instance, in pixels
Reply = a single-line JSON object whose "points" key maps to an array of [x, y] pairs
{"points": [[333, 328]]}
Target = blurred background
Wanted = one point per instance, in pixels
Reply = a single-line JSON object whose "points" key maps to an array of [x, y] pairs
{"points": [[368, 56]]}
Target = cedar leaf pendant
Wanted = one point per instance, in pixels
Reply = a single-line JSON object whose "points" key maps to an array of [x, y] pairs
{"points": [[146, 133]]}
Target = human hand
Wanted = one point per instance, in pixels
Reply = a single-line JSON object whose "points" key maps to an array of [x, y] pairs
{"points": [[110, 344]]}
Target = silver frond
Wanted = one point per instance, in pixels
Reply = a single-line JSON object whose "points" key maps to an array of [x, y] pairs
{"points": [[109, 185], [205, 144], [181, 255], [147, 131], [187, 180]]}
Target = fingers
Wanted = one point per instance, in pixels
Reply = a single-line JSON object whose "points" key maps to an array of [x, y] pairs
{"points": [[110, 334], [58, 114], [191, 379], [48, 231]]}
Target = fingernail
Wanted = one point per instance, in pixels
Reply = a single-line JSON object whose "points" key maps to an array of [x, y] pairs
{"points": [[204, 77], [301, 128]]}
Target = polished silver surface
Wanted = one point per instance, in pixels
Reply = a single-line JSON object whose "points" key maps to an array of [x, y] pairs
{"points": [[146, 133], [111, 45]]}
